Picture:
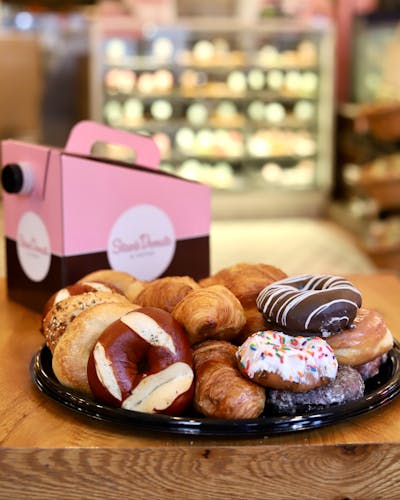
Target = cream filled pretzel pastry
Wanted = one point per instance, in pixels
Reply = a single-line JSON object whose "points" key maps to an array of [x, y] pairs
{"points": [[143, 362], [309, 304], [279, 361]]}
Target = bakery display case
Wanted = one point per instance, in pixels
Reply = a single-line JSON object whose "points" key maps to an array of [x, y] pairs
{"points": [[244, 109], [368, 178]]}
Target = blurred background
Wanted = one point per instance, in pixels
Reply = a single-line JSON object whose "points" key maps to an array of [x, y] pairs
{"points": [[287, 109]]}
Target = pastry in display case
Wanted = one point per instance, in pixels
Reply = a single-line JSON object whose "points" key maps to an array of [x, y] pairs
{"points": [[241, 108], [368, 178]]}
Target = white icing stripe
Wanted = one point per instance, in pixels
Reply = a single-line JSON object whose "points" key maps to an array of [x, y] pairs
{"points": [[325, 306], [150, 331]]}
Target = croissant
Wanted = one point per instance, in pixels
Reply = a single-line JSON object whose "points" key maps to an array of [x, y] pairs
{"points": [[166, 292], [254, 323], [122, 281], [210, 313], [220, 390], [245, 280]]}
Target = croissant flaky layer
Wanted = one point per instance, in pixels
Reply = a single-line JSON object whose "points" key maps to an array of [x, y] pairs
{"points": [[245, 280], [220, 389], [166, 292], [210, 313]]}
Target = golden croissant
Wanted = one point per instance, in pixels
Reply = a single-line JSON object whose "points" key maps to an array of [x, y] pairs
{"points": [[254, 323], [245, 280], [166, 292], [220, 389], [210, 313]]}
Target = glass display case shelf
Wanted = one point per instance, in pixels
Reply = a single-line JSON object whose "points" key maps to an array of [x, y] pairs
{"points": [[237, 106]]}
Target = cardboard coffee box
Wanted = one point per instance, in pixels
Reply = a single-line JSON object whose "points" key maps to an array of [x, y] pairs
{"points": [[68, 213]]}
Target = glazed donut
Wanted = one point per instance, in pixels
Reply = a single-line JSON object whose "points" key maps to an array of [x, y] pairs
{"points": [[71, 354], [280, 361], [127, 284], [77, 289], [368, 338], [371, 368], [64, 312], [309, 304], [221, 391], [347, 386], [143, 362]]}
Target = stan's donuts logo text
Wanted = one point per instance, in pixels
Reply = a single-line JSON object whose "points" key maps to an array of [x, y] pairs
{"points": [[33, 246], [142, 242]]}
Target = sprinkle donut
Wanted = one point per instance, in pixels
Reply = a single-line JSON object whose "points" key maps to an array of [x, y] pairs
{"points": [[309, 304], [280, 361]]}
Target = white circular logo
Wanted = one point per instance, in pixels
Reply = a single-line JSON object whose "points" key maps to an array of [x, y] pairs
{"points": [[33, 246], [142, 242]]}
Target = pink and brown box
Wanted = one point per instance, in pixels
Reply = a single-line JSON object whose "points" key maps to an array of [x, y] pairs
{"points": [[67, 213]]}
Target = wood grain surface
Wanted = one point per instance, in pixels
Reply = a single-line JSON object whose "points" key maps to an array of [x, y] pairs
{"points": [[48, 451]]}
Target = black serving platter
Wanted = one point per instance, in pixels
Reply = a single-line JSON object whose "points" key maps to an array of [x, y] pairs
{"points": [[380, 390]]}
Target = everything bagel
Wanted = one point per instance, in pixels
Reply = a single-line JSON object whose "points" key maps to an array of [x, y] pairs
{"points": [[309, 304]]}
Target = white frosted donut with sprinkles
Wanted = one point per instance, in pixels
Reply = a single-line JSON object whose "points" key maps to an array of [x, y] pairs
{"points": [[280, 361], [309, 304]]}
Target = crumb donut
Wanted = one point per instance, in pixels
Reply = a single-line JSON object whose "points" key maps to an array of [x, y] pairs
{"points": [[143, 362], [310, 304], [367, 339], [280, 361], [61, 314], [71, 354], [126, 283], [347, 386]]}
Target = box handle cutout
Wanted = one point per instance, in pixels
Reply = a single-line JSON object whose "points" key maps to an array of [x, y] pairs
{"points": [[116, 152], [86, 134]]}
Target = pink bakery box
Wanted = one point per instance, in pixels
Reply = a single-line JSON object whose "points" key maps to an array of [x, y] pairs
{"points": [[68, 213]]}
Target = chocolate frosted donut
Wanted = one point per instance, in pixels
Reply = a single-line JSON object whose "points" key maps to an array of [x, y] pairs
{"points": [[309, 304]]}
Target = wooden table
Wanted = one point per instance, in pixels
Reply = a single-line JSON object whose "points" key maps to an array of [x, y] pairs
{"points": [[48, 451]]}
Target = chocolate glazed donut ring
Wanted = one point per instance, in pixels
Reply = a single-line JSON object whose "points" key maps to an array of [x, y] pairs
{"points": [[309, 304], [143, 362]]}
